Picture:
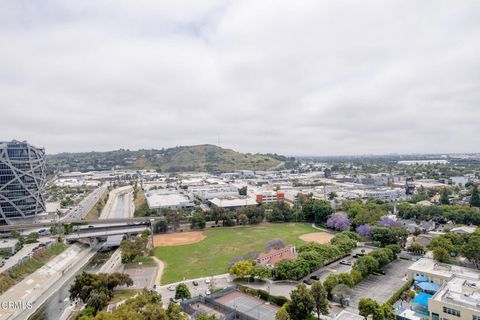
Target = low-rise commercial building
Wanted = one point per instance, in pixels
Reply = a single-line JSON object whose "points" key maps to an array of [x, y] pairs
{"points": [[267, 197], [171, 199], [233, 203]]}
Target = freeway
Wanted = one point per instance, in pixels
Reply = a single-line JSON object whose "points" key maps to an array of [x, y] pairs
{"points": [[105, 232], [40, 285], [83, 208], [82, 222]]}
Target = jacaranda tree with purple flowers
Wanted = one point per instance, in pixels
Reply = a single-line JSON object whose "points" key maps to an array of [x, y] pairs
{"points": [[365, 230], [388, 222], [235, 260], [339, 222]]}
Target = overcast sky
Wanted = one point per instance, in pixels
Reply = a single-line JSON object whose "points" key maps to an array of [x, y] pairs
{"points": [[292, 77]]}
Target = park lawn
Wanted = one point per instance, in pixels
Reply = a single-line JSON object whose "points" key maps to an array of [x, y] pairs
{"points": [[212, 255]]}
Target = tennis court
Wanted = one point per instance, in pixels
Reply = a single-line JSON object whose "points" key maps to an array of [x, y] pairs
{"points": [[251, 306]]}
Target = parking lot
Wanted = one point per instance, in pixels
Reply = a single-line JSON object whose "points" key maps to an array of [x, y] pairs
{"points": [[381, 287]]}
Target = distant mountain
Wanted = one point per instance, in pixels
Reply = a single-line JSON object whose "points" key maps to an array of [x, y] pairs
{"points": [[206, 157]]}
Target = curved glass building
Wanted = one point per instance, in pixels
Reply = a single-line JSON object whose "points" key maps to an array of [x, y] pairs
{"points": [[22, 181]]}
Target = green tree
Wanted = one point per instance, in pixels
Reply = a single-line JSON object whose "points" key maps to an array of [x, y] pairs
{"points": [[319, 295], [282, 314], [387, 311], [441, 242], [95, 290], [242, 191], [262, 272], [416, 248], [366, 265], [367, 307], [132, 248], [444, 196], [342, 292], [441, 255], [175, 312], [395, 248], [475, 197], [471, 249], [198, 220], [146, 305], [243, 219], [242, 268], [301, 304], [316, 211], [182, 292]]}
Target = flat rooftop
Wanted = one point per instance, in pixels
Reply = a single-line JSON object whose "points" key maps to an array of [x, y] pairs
{"points": [[460, 291], [447, 271], [227, 203], [157, 200]]}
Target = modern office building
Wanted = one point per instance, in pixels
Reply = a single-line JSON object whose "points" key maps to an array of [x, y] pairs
{"points": [[22, 181]]}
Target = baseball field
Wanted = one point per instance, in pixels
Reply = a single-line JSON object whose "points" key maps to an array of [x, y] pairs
{"points": [[198, 254]]}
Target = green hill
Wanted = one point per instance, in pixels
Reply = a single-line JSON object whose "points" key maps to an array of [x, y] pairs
{"points": [[187, 158]]}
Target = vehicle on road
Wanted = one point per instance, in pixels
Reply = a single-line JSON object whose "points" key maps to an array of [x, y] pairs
{"points": [[171, 288], [208, 292], [207, 281], [195, 283], [174, 300], [346, 262], [315, 277], [382, 272], [308, 281]]}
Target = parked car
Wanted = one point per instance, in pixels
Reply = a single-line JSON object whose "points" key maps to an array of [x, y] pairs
{"points": [[195, 283], [382, 272], [2, 263], [171, 288], [207, 281], [207, 292], [346, 262], [308, 281], [315, 277]]}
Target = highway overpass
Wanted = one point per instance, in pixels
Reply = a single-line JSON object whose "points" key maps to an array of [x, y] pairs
{"points": [[104, 232]]}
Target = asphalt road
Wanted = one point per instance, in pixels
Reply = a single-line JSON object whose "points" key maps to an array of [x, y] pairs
{"points": [[40, 285]]}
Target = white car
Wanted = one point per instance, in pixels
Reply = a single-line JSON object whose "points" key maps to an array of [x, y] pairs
{"points": [[207, 292], [171, 288], [207, 281]]}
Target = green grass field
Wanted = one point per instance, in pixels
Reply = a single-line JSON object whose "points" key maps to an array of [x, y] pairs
{"points": [[212, 255]]}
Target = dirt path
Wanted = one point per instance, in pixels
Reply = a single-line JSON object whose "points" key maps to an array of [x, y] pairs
{"points": [[161, 267]]}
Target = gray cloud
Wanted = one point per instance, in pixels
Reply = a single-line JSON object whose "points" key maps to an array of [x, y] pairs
{"points": [[308, 77]]}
